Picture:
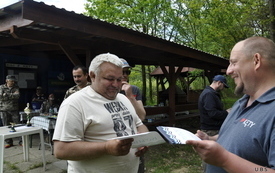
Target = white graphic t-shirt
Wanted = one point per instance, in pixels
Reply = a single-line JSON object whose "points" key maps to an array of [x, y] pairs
{"points": [[87, 116]]}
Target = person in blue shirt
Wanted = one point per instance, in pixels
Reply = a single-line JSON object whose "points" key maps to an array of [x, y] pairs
{"points": [[246, 141], [132, 92]]}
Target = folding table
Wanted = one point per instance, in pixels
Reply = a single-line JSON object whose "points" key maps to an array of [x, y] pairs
{"points": [[23, 131]]}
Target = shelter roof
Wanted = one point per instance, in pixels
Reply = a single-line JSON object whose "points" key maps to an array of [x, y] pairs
{"points": [[28, 27]]}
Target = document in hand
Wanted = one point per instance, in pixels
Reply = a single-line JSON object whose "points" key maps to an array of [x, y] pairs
{"points": [[144, 139], [172, 135]]}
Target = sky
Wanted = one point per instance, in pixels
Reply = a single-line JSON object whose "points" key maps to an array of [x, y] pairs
{"points": [[70, 5]]}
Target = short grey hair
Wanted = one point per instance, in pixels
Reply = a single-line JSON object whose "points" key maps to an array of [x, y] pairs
{"points": [[105, 57]]}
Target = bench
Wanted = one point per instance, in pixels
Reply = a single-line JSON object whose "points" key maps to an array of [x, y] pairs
{"points": [[162, 118]]}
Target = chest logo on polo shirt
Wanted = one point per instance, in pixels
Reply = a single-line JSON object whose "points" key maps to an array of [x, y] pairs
{"points": [[247, 123]]}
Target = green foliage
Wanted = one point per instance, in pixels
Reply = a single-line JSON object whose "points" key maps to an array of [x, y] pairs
{"points": [[146, 16], [212, 26], [135, 79], [198, 84]]}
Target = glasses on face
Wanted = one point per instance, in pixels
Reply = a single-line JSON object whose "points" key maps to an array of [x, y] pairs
{"points": [[127, 72], [111, 79]]}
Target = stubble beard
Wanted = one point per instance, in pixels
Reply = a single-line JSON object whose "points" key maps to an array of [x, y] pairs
{"points": [[239, 90]]}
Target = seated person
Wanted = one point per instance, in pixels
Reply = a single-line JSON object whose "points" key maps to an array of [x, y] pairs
{"points": [[38, 98], [50, 105]]}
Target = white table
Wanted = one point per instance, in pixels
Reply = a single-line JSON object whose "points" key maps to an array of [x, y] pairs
{"points": [[47, 124], [44, 122], [23, 131]]}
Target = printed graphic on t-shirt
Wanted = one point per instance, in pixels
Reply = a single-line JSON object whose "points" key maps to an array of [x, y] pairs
{"points": [[121, 117]]}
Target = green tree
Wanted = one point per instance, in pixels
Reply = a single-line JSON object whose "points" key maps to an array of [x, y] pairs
{"points": [[147, 16], [213, 26]]}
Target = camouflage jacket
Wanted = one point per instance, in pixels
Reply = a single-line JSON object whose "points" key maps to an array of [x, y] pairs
{"points": [[74, 89], [9, 98]]}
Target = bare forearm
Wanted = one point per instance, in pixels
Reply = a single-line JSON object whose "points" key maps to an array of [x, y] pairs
{"points": [[236, 164], [78, 150], [81, 150], [213, 138], [138, 105], [142, 129]]}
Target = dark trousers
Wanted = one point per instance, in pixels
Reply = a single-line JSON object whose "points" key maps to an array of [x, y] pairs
{"points": [[1, 123], [141, 168]]}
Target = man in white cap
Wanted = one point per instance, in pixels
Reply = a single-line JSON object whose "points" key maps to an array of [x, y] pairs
{"points": [[89, 119], [9, 95]]}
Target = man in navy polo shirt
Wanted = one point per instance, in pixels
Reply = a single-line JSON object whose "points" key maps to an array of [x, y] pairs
{"points": [[246, 141]]}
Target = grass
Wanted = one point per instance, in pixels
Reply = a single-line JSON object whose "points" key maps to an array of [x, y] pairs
{"points": [[178, 158], [166, 158], [172, 158], [12, 166]]}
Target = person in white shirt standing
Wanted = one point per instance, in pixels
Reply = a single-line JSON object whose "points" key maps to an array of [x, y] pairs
{"points": [[90, 117]]}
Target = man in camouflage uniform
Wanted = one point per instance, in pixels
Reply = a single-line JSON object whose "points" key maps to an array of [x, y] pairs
{"points": [[9, 95], [81, 78]]}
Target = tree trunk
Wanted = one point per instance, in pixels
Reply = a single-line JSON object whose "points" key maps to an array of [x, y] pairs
{"points": [[150, 84], [272, 16], [143, 84]]}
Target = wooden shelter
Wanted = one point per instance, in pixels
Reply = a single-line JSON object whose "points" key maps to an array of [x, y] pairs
{"points": [[28, 27], [181, 95]]}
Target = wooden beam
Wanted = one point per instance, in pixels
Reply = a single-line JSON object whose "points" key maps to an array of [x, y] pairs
{"points": [[70, 54], [13, 31], [48, 37], [88, 58], [172, 95], [165, 109]]}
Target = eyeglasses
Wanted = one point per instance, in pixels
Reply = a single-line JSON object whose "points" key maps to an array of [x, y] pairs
{"points": [[127, 72], [112, 79]]}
